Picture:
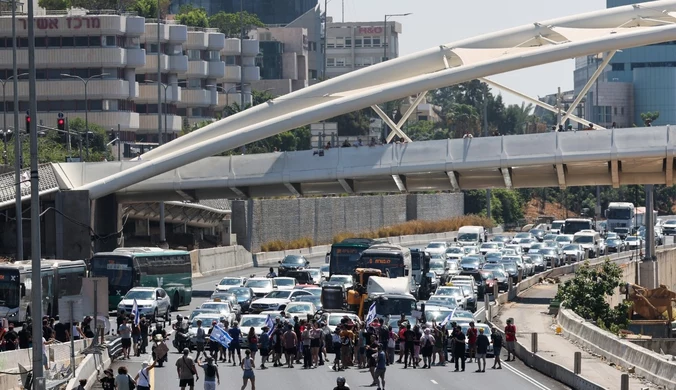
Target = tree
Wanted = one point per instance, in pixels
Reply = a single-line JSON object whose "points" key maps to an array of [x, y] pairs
{"points": [[54, 4], [586, 294], [148, 8], [235, 25], [356, 123], [649, 117], [192, 16]]}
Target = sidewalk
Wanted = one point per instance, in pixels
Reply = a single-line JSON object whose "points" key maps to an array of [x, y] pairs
{"points": [[530, 314]]}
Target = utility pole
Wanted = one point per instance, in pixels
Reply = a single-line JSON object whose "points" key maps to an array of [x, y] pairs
{"points": [[485, 131], [17, 145], [163, 233], [241, 54], [326, 32]]}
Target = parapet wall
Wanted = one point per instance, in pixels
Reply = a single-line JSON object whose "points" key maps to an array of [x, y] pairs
{"points": [[258, 221]]}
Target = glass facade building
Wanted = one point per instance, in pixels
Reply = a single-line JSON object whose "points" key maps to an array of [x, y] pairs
{"points": [[268, 11]]}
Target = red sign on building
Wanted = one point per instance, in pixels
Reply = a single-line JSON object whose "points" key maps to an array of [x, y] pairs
{"points": [[370, 30]]}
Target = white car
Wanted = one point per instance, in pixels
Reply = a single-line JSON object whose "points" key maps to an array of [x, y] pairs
{"points": [[300, 309], [207, 319], [248, 321], [228, 282], [436, 247], [325, 271], [573, 253], [489, 247], [564, 239], [345, 281], [275, 300], [633, 242], [332, 319], [455, 253], [446, 301], [261, 286], [455, 292], [222, 308], [284, 283], [152, 302], [525, 244], [516, 248]]}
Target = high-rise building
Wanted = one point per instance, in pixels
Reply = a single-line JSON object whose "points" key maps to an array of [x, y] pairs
{"points": [[268, 11], [636, 81]]}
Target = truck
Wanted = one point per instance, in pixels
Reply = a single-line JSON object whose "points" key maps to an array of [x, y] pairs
{"points": [[625, 215]]}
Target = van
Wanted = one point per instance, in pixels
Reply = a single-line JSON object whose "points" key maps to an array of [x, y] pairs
{"points": [[471, 235], [590, 242]]}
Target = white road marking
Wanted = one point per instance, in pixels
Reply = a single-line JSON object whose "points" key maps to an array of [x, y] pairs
{"points": [[526, 377], [433, 381], [479, 311]]}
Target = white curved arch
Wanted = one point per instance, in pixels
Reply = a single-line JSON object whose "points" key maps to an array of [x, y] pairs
{"points": [[442, 66]]}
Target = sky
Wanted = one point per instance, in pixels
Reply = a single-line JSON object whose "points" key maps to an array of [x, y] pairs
{"points": [[435, 22]]}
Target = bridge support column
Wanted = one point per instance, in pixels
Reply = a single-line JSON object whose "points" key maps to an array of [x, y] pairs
{"points": [[107, 222]]}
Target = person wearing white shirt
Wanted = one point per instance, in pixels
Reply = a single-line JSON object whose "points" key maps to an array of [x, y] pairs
{"points": [[142, 379]]}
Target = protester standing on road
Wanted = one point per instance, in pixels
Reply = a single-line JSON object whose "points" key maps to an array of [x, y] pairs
{"points": [[108, 380], [472, 335], [200, 340], [142, 378], [123, 380], [248, 365], [459, 349], [496, 338], [125, 333], [235, 333], [510, 337], [187, 374], [381, 367], [264, 345], [391, 344], [409, 338], [290, 345], [144, 325], [482, 344], [427, 343], [211, 376]]}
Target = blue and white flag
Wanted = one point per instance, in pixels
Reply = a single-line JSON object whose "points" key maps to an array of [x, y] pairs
{"points": [[270, 324], [448, 317], [220, 336], [135, 313], [371, 315]]}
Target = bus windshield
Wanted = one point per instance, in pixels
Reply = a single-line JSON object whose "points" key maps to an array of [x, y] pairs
{"points": [[9, 290], [572, 227], [394, 306], [344, 260], [118, 270], [391, 265], [619, 213]]}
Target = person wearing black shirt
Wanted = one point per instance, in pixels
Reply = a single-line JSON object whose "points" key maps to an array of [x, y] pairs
{"points": [[459, 349], [47, 331], [496, 339], [409, 339], [61, 332], [482, 344], [108, 381], [11, 339], [24, 338], [144, 326]]}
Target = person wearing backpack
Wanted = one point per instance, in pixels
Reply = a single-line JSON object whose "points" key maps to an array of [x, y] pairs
{"points": [[211, 377], [123, 381], [142, 378]]}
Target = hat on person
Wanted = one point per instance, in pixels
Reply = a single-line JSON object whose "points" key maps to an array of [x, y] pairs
{"points": [[108, 371]]}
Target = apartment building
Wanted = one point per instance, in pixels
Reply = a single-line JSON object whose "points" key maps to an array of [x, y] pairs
{"points": [[283, 62], [116, 57]]}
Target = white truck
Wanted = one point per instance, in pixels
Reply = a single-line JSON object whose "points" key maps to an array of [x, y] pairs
{"points": [[391, 295], [626, 215]]}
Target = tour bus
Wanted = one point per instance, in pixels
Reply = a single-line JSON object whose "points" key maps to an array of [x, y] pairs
{"points": [[393, 260], [126, 268], [574, 225], [59, 278], [344, 255]]}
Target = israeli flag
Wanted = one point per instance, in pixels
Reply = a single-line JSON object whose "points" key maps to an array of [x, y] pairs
{"points": [[220, 336], [270, 324], [135, 313], [448, 317], [371, 315]]}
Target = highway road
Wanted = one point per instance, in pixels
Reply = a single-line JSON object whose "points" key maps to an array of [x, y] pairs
{"points": [[514, 375]]}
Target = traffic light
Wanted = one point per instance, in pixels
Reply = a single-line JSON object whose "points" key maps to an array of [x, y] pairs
{"points": [[61, 124]]}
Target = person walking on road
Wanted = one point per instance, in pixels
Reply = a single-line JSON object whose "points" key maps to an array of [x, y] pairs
{"points": [[123, 381], [510, 337], [142, 378], [187, 374], [108, 380], [290, 345], [211, 376], [496, 338], [264, 345], [125, 333], [427, 343], [381, 367], [200, 340], [248, 365], [409, 339], [472, 335], [235, 333], [459, 349], [482, 344]]}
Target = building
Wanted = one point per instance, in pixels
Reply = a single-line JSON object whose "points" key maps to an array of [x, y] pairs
{"points": [[268, 11], [283, 59], [354, 45], [636, 81], [120, 53]]}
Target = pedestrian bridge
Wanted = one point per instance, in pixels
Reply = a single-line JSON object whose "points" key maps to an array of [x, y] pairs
{"points": [[599, 157]]}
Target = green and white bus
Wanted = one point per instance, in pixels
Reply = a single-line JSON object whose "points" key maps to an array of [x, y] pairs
{"points": [[126, 268]]}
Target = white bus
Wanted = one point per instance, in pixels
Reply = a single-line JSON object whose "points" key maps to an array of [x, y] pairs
{"points": [[59, 278]]}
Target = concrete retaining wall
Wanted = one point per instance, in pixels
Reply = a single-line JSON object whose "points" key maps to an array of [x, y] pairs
{"points": [[91, 368], [259, 221], [618, 351], [667, 346]]}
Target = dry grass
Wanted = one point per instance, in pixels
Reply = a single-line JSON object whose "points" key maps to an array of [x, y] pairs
{"points": [[278, 245], [419, 227]]}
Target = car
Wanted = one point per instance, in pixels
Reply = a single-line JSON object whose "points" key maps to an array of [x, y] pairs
{"points": [[487, 333], [152, 302], [285, 283], [623, 232], [261, 286], [492, 266], [573, 253], [300, 309], [516, 247], [228, 282], [317, 275], [436, 247], [563, 240], [470, 263], [333, 318], [551, 257], [512, 270], [440, 269], [611, 235], [455, 292], [538, 262], [199, 311], [276, 300], [549, 237], [292, 263], [669, 227], [615, 245], [225, 296], [539, 234], [442, 301], [525, 244], [314, 299], [470, 297], [510, 252], [311, 288], [207, 319], [243, 296], [455, 252], [479, 281], [590, 242], [248, 321], [452, 267], [536, 247], [470, 250], [501, 278], [487, 247], [222, 308], [345, 281], [528, 266], [435, 314], [326, 271], [633, 243], [517, 238], [493, 257], [503, 239]]}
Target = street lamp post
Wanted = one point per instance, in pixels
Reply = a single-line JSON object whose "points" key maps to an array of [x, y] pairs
{"points": [[4, 112], [85, 82], [385, 57]]}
